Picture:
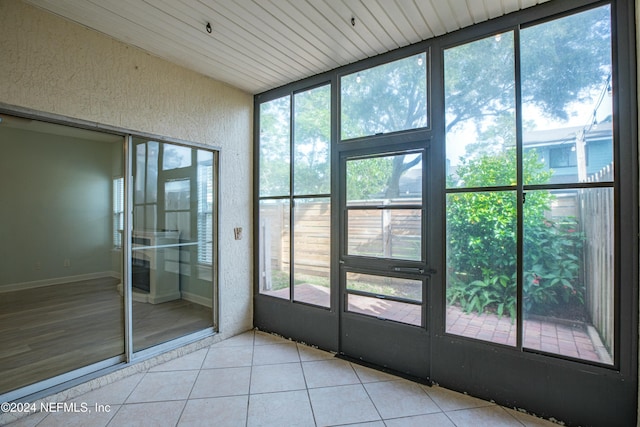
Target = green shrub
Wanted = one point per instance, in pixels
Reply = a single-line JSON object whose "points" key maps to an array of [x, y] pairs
{"points": [[482, 242]]}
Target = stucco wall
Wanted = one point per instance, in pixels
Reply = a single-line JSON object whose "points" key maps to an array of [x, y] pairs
{"points": [[55, 66]]}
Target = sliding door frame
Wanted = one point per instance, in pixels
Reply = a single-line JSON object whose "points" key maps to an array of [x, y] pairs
{"points": [[78, 376]]}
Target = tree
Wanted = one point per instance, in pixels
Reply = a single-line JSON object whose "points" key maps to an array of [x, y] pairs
{"points": [[561, 61], [275, 148], [311, 141]]}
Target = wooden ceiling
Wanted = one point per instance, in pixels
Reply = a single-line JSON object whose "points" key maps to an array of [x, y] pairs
{"points": [[256, 45]]}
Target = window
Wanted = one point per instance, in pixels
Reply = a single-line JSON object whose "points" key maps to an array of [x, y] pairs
{"points": [[563, 258], [205, 207], [295, 221], [118, 211], [564, 157], [388, 98]]}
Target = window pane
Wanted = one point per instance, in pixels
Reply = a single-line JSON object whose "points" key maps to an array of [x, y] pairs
{"points": [[274, 241], [385, 180], [175, 157], [206, 197], [61, 305], [384, 308], [385, 233], [480, 113], [312, 136], [275, 143], [387, 98], [567, 102], [481, 265], [177, 194], [168, 283], [312, 250], [569, 273], [385, 286]]}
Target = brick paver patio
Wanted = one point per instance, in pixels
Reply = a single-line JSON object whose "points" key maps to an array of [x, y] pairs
{"points": [[573, 339]]}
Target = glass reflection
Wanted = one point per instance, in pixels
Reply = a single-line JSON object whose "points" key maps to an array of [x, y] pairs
{"points": [[60, 258], [172, 242], [390, 298]]}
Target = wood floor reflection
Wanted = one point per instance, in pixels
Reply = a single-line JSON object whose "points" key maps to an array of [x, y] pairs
{"points": [[51, 330]]}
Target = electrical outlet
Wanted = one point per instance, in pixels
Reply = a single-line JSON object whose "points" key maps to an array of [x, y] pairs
{"points": [[237, 233], [67, 262], [38, 265]]}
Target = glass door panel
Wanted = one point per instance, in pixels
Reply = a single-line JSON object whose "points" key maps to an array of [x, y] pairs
{"points": [[61, 305], [396, 299], [173, 256], [384, 206]]}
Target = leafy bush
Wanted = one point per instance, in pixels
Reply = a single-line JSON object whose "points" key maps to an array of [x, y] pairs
{"points": [[482, 241]]}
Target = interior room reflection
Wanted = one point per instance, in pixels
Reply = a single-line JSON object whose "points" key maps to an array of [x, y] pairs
{"points": [[59, 306], [62, 304], [172, 247]]}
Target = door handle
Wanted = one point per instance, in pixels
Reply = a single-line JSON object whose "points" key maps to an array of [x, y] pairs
{"points": [[414, 270]]}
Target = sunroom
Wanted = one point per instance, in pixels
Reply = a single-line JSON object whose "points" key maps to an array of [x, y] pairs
{"points": [[443, 191]]}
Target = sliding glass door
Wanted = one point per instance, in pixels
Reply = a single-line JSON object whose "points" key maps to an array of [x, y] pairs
{"points": [[60, 260], [72, 301], [172, 252]]}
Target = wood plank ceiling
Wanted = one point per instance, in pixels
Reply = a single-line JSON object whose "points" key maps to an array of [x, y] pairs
{"points": [[256, 45]]}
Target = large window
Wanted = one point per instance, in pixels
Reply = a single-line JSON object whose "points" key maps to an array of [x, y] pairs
{"points": [[555, 276], [485, 198], [295, 204], [388, 98]]}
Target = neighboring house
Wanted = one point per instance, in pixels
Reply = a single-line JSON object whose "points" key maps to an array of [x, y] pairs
{"points": [[558, 150]]}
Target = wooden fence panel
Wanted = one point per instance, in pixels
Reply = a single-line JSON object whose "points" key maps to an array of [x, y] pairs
{"points": [[597, 220]]}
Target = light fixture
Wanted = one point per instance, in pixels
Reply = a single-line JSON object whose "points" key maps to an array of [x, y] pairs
{"points": [[420, 61], [208, 27], [353, 21]]}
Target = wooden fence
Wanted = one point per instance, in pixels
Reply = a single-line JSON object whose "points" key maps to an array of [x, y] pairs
{"points": [[596, 207], [372, 232], [396, 234]]}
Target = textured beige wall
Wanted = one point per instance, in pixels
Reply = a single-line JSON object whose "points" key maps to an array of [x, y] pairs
{"points": [[55, 66]]}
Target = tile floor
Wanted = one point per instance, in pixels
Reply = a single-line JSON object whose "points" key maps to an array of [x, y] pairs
{"points": [[257, 379]]}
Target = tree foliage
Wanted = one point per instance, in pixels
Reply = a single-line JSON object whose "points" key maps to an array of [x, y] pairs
{"points": [[482, 242]]}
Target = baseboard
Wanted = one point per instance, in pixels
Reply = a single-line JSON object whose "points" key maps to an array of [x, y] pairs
{"points": [[197, 299], [56, 281]]}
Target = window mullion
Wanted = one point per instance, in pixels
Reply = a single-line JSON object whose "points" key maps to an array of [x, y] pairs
{"points": [[520, 195]]}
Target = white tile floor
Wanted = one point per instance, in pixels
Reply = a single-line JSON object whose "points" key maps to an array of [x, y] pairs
{"points": [[256, 379]]}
